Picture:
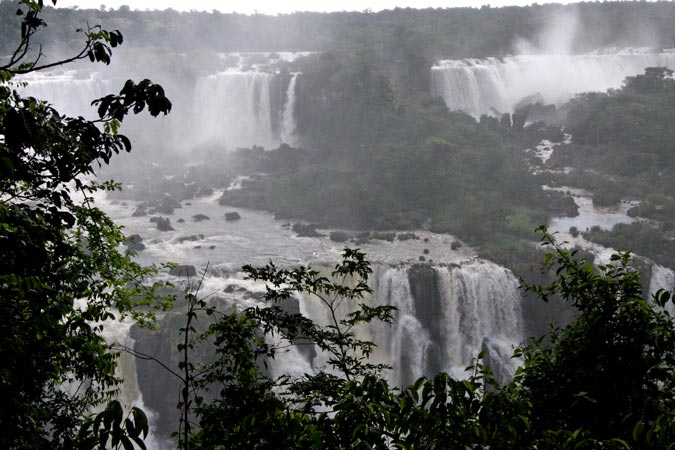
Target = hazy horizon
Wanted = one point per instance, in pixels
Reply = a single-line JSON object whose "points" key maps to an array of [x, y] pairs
{"points": [[290, 6]]}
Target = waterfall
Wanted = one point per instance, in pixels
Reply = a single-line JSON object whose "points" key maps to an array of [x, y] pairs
{"points": [[234, 108], [446, 316], [483, 86], [69, 91], [288, 123], [242, 109], [405, 345], [481, 311]]}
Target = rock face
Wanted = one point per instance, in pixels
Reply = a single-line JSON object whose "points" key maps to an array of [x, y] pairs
{"points": [[183, 271], [232, 216], [134, 243]]}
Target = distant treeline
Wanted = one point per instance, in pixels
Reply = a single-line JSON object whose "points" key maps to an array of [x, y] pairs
{"points": [[427, 33]]}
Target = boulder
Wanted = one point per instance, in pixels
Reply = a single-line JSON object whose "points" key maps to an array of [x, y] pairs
{"points": [[200, 217], [183, 271], [163, 223], [140, 212], [339, 236], [306, 230], [232, 216], [134, 243]]}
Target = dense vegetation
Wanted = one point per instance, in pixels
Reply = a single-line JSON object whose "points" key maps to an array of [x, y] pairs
{"points": [[623, 149], [380, 158], [61, 273]]}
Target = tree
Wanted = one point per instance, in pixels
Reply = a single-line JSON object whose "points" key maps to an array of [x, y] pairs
{"points": [[251, 410], [608, 376], [61, 272]]}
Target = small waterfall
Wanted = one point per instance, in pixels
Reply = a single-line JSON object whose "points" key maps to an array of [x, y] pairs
{"points": [[288, 123], [405, 344], [482, 86]]}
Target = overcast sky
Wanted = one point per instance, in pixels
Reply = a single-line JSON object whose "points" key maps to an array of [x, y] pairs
{"points": [[289, 6]]}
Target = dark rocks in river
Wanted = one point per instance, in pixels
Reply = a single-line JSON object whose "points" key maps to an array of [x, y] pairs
{"points": [[204, 192], [232, 216], [230, 288], [563, 204], [163, 223], [200, 217], [140, 212], [339, 236], [159, 207], [164, 209], [190, 238], [181, 221], [183, 271], [306, 230], [384, 236], [134, 243]]}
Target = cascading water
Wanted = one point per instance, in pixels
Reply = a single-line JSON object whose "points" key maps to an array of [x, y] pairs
{"points": [[405, 346], [446, 315], [288, 123], [235, 108], [70, 92], [481, 311], [485, 86]]}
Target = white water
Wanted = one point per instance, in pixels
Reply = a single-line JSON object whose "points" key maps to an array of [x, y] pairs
{"points": [[481, 310], [233, 108], [239, 107], [407, 343], [480, 301], [71, 92], [288, 123], [489, 85]]}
